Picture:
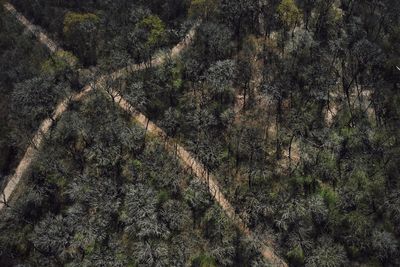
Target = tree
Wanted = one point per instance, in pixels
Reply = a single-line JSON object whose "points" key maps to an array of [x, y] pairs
{"points": [[81, 33], [151, 30], [51, 237], [32, 101], [176, 215], [142, 218], [213, 40], [136, 96], [198, 199], [241, 16], [327, 254], [290, 17], [244, 70], [170, 123], [219, 79], [202, 8], [61, 66], [171, 76], [289, 14], [152, 253], [385, 245]]}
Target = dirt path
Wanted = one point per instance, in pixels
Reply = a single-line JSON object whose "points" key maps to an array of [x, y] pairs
{"points": [[45, 126], [189, 162], [35, 145], [186, 159], [35, 30], [173, 53]]}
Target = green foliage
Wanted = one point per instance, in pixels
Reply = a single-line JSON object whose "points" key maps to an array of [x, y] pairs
{"points": [[358, 222], [203, 260], [328, 167], [155, 28], [137, 165], [384, 244], [327, 254], [296, 256], [202, 8], [89, 248], [289, 14], [60, 181], [330, 196], [101, 194], [219, 78], [73, 20], [302, 182], [59, 63], [162, 196], [131, 169], [80, 32], [177, 77]]}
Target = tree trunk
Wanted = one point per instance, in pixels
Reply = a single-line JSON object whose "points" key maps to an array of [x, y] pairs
{"points": [[278, 120]]}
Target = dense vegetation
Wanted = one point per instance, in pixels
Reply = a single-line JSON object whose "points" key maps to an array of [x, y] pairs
{"points": [[101, 196], [294, 105], [327, 185], [109, 34], [31, 83]]}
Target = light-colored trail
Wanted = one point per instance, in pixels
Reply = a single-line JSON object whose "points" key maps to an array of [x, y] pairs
{"points": [[45, 125], [35, 30], [189, 162], [186, 159], [173, 53], [36, 143]]}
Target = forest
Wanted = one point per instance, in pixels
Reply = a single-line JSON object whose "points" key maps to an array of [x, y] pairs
{"points": [[200, 133]]}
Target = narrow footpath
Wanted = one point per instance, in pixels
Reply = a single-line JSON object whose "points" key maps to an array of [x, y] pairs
{"points": [[198, 169], [35, 30], [186, 159]]}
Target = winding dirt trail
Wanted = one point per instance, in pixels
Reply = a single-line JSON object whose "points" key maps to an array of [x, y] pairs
{"points": [[35, 145], [37, 140], [45, 125], [186, 159], [189, 162]]}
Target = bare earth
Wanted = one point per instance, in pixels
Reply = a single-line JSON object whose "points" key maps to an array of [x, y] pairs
{"points": [[37, 32], [186, 159], [45, 126]]}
